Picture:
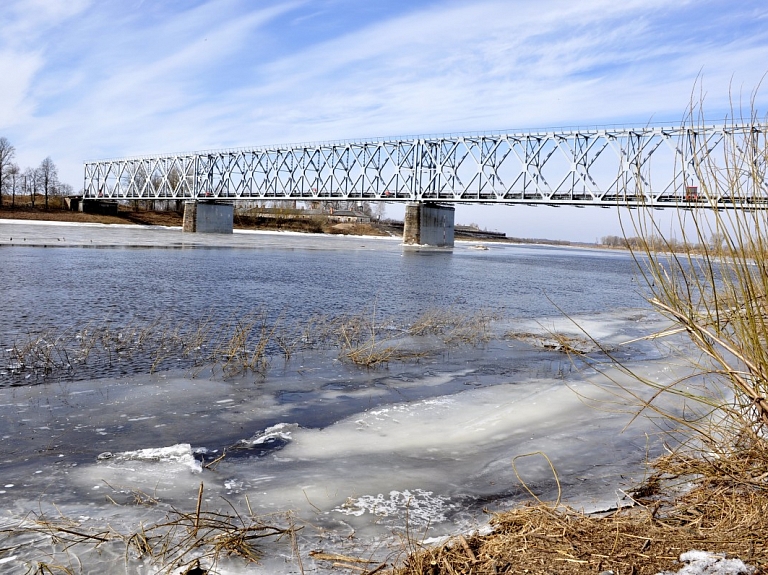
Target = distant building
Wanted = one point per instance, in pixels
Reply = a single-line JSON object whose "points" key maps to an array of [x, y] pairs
{"points": [[348, 217], [331, 215]]}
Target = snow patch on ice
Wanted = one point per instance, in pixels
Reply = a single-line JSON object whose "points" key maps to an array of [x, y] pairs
{"points": [[180, 453], [279, 431], [422, 507], [705, 563]]}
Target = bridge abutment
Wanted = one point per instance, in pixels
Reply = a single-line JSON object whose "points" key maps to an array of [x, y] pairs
{"points": [[102, 207], [428, 224], [208, 217]]}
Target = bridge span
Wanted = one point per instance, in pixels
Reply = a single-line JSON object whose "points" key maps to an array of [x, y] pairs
{"points": [[656, 166]]}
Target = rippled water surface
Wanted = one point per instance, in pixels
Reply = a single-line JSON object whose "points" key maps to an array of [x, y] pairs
{"points": [[46, 287]]}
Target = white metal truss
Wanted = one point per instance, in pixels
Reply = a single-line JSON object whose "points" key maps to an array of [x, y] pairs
{"points": [[602, 166]]}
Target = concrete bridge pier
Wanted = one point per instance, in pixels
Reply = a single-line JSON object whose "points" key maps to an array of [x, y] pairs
{"points": [[208, 217], [428, 224]]}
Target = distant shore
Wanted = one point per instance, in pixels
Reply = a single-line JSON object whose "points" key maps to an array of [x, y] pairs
{"points": [[172, 219]]}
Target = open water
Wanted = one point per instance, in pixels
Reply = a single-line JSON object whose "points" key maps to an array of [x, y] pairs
{"points": [[361, 457], [62, 283]]}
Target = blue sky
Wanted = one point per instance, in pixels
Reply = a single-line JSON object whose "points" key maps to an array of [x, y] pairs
{"points": [[84, 79]]}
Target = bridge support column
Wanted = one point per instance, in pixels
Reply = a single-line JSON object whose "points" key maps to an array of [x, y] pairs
{"points": [[190, 217], [428, 224], [208, 217]]}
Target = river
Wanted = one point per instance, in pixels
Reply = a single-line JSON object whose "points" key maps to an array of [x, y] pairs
{"points": [[111, 419]]}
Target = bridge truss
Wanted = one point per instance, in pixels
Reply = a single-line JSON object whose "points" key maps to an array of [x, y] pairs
{"points": [[657, 166]]}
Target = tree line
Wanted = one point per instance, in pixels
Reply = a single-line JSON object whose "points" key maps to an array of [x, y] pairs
{"points": [[658, 243], [42, 180], [178, 183]]}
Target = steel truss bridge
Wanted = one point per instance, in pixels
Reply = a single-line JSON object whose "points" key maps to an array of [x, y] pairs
{"points": [[655, 165]]}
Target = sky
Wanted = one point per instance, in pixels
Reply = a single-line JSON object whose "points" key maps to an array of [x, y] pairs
{"points": [[83, 80]]}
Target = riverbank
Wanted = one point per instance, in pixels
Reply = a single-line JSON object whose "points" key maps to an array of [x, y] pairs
{"points": [[681, 519], [173, 219], [60, 234]]}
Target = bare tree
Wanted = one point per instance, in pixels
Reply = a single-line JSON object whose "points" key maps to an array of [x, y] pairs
{"points": [[133, 183], [30, 183], [178, 187], [7, 151], [380, 210], [49, 177], [64, 190], [13, 175]]}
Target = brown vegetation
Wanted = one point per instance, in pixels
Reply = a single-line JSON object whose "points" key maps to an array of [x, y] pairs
{"points": [[642, 540], [242, 344], [23, 209], [349, 229], [58, 212]]}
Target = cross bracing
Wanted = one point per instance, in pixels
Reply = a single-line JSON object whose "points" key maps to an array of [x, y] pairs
{"points": [[654, 166]]}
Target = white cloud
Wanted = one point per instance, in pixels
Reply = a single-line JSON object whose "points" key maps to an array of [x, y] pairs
{"points": [[481, 67], [16, 71], [23, 25], [25, 22]]}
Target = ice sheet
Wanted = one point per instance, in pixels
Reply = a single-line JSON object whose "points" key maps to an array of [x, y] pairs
{"points": [[359, 457]]}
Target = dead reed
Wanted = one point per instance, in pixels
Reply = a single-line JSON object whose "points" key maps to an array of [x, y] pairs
{"points": [[360, 344], [454, 327], [646, 539], [717, 296], [369, 342], [556, 341], [193, 542], [236, 346], [242, 344]]}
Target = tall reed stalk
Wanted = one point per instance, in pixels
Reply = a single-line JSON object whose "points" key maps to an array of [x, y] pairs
{"points": [[715, 289]]}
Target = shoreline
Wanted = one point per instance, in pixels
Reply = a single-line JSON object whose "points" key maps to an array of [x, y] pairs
{"points": [[203, 240]]}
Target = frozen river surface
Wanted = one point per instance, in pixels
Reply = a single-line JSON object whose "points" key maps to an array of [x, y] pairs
{"points": [[362, 459]]}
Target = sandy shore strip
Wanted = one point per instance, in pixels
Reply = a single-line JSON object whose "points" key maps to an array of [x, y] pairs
{"points": [[67, 234]]}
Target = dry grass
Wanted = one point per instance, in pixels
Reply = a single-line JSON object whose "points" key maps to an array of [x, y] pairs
{"points": [[556, 341], [353, 229], [708, 276], [689, 503], [51, 353], [366, 341], [718, 298], [646, 539], [192, 541], [236, 346], [241, 346], [361, 342], [455, 328], [245, 343]]}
